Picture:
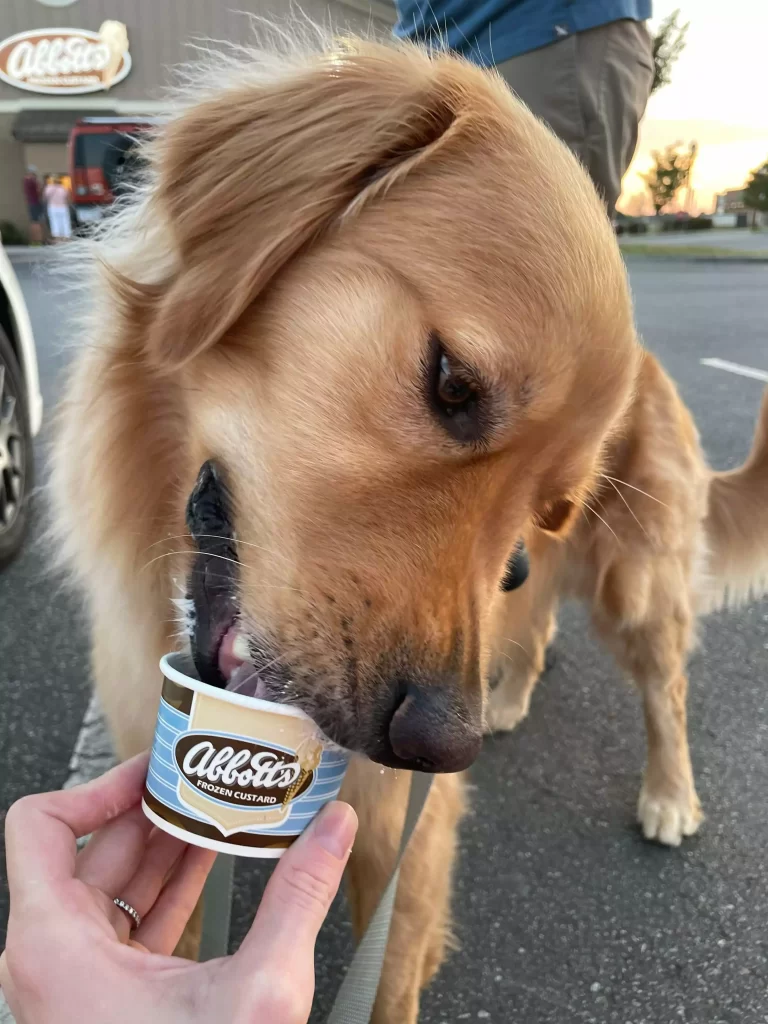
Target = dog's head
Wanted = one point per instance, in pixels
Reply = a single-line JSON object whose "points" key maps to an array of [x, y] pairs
{"points": [[402, 332]]}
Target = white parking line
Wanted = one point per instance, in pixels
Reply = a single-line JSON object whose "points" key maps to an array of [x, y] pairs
{"points": [[742, 371], [93, 754]]}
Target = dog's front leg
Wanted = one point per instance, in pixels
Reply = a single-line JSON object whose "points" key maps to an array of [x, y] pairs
{"points": [[421, 926], [651, 636]]}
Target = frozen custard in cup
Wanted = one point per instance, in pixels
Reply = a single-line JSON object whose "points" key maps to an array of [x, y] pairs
{"points": [[232, 773]]}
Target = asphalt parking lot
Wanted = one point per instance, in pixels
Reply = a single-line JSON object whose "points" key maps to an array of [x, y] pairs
{"points": [[563, 912]]}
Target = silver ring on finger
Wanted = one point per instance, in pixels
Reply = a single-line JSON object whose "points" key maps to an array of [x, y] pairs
{"points": [[132, 912]]}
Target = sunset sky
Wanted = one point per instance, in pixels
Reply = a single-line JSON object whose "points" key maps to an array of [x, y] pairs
{"points": [[717, 97]]}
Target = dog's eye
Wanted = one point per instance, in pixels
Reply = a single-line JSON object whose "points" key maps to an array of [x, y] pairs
{"points": [[455, 395], [518, 568], [454, 390]]}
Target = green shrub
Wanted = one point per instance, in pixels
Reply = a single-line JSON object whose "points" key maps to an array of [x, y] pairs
{"points": [[699, 224], [10, 234]]}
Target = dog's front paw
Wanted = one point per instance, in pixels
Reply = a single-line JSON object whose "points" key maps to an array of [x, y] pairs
{"points": [[668, 818], [503, 714]]}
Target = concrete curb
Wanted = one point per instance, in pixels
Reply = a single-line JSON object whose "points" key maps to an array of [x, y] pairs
{"points": [[693, 250], [739, 261], [29, 253]]}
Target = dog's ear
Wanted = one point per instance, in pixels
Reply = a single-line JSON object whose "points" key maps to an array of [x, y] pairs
{"points": [[556, 517], [250, 177]]}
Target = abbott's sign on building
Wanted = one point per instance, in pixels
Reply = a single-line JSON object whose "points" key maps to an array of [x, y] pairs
{"points": [[66, 61]]}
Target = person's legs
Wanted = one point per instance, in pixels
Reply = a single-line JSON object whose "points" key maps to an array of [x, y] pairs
{"points": [[35, 227], [61, 225], [53, 222], [615, 76], [591, 89], [546, 80]]}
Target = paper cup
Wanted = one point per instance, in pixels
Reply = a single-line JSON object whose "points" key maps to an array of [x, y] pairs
{"points": [[232, 773]]}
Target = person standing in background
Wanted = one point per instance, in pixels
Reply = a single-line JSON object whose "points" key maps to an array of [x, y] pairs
{"points": [[31, 185], [583, 66], [56, 197]]}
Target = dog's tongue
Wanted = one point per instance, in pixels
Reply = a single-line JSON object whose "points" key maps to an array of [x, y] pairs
{"points": [[232, 653], [240, 674]]}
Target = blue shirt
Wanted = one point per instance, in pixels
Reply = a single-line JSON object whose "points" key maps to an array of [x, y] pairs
{"points": [[491, 31]]}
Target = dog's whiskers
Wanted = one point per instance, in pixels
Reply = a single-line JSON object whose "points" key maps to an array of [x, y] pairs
{"points": [[523, 649], [615, 479], [224, 558], [629, 507], [213, 536], [262, 586], [257, 673], [605, 524], [185, 551]]}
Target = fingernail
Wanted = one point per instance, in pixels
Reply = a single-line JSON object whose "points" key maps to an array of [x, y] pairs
{"points": [[335, 828]]}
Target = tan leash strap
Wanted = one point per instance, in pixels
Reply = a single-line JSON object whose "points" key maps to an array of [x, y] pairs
{"points": [[355, 999]]}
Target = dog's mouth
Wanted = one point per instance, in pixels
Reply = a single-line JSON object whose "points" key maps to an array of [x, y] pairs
{"points": [[249, 670], [224, 655]]}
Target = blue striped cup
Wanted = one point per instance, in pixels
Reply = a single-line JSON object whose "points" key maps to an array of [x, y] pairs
{"points": [[235, 774]]}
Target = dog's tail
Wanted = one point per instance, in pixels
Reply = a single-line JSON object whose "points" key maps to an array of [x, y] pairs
{"points": [[737, 527]]}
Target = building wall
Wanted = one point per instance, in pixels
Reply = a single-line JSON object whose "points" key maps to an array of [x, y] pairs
{"points": [[160, 31], [46, 157], [12, 206], [161, 35]]}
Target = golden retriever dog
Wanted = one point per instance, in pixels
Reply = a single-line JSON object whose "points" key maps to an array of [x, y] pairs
{"points": [[364, 327], [662, 539]]}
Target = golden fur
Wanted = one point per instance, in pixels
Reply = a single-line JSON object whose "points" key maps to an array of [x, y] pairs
{"points": [[662, 540], [266, 300]]}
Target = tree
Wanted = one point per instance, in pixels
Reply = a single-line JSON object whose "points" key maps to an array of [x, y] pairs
{"points": [[668, 44], [756, 191], [634, 205], [671, 171]]}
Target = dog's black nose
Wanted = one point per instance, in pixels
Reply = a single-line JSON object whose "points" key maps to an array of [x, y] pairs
{"points": [[432, 730]]}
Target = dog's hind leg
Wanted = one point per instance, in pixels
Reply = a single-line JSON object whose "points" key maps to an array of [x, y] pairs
{"points": [[643, 613], [421, 923], [525, 623]]}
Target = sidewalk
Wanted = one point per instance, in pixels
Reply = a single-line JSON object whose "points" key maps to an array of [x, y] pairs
{"points": [[726, 244], [715, 246], [29, 254]]}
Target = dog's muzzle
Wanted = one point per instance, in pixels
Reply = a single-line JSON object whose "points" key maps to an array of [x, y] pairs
{"points": [[411, 722]]}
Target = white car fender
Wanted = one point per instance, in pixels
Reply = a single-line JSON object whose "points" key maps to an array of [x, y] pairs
{"points": [[25, 339]]}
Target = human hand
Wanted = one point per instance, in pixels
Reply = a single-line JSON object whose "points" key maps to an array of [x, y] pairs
{"points": [[70, 957]]}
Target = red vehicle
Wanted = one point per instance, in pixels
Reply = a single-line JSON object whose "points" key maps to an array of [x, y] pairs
{"points": [[102, 156]]}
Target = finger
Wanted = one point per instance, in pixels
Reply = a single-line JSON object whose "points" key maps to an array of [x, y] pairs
{"points": [[9, 991], [41, 830], [112, 856], [301, 890], [161, 854], [5, 977], [162, 928]]}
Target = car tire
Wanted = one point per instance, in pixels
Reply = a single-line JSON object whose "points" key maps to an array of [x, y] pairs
{"points": [[16, 455]]}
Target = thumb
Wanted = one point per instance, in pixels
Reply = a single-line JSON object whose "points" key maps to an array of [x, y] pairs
{"points": [[300, 891]]}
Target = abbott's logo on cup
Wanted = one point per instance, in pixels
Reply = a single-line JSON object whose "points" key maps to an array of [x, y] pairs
{"points": [[238, 783], [239, 772]]}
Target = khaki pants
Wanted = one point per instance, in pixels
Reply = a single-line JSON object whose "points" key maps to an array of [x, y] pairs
{"points": [[591, 88]]}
